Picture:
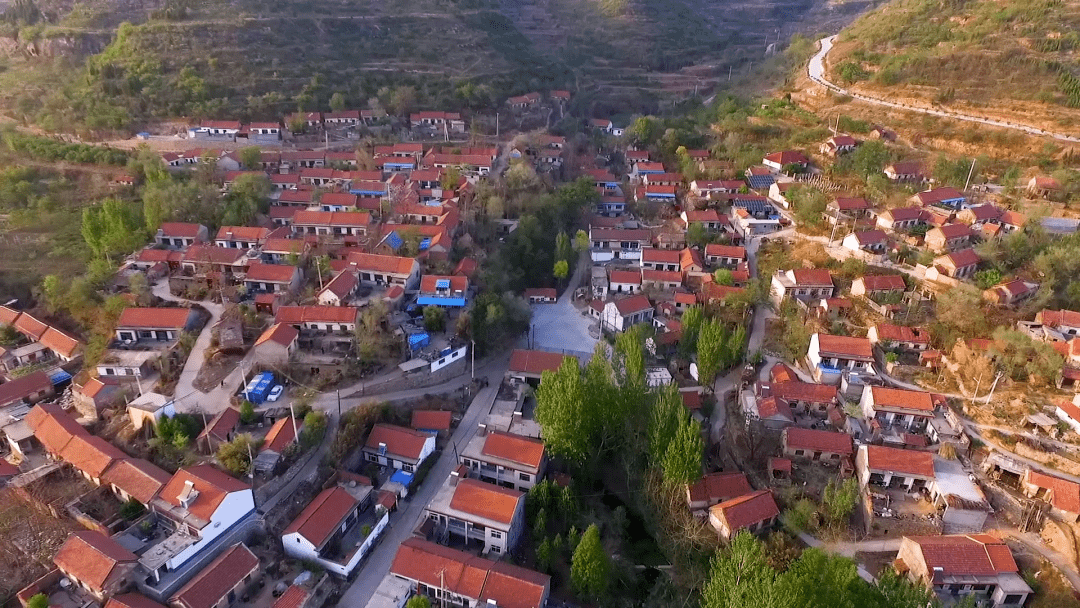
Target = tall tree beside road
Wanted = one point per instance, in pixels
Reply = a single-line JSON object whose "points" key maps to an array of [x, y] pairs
{"points": [[691, 326], [561, 270], [581, 241], [682, 461], [337, 102], [590, 569], [741, 576], [711, 347], [563, 414], [664, 422]]}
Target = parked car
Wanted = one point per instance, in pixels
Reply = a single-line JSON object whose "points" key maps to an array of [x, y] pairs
{"points": [[275, 393]]}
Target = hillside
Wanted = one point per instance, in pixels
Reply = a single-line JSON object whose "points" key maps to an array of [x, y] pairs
{"points": [[1014, 59], [66, 63]]}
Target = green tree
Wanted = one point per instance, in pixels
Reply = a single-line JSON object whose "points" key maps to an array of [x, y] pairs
{"points": [[590, 569], [741, 576], [314, 428], [561, 270], [682, 462], [697, 235], [581, 241], [39, 600], [712, 340], [403, 100], [337, 102], [247, 412], [723, 276], [985, 279], [235, 456], [544, 554], [563, 414], [692, 319], [417, 601], [645, 130], [563, 250], [53, 290], [251, 157], [839, 500], [434, 318]]}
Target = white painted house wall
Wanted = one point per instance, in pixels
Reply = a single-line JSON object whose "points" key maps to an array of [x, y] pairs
{"points": [[232, 509]]}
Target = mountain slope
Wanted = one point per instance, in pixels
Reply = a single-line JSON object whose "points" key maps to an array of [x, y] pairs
{"points": [[1011, 58], [258, 59]]}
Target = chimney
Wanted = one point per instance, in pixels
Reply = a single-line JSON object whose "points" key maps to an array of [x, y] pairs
{"points": [[382, 448], [481, 430], [188, 494]]}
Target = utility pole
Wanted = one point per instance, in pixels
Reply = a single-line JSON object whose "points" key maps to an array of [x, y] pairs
{"points": [[729, 73], [496, 125], [970, 171], [295, 431], [339, 401], [472, 355], [992, 387]]}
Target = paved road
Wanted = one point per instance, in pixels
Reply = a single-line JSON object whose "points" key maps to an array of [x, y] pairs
{"points": [[816, 70], [377, 564], [1036, 544], [188, 398]]}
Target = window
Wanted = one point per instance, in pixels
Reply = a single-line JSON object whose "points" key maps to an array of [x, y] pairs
{"points": [[524, 477], [496, 549], [496, 534], [1013, 598], [408, 468]]}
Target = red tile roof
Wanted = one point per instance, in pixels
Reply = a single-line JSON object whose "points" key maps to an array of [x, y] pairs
{"points": [[222, 424], [964, 257], [457, 282], [627, 277], [296, 315], [214, 582], [796, 390], [280, 435], [938, 195], [899, 333], [25, 386], [241, 233], [884, 282], [432, 420], [819, 441], [132, 600], [180, 229], [91, 454], [845, 346], [1066, 494], [717, 487], [541, 292], [746, 510], [515, 448], [91, 557], [154, 318], [816, 277], [140, 479], [211, 484], [957, 555], [727, 251], [773, 406], [953, 231], [399, 440], [294, 597], [323, 515], [332, 218], [535, 361], [787, 157], [633, 304], [470, 576], [896, 460], [53, 428], [662, 256], [1055, 318], [387, 264], [59, 342], [279, 333], [486, 500], [30, 326], [271, 273]]}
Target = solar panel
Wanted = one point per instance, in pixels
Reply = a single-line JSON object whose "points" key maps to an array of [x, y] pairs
{"points": [[442, 284], [394, 241], [758, 182], [424, 244]]}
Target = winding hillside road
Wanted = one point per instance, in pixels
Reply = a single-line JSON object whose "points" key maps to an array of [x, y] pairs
{"points": [[816, 71]]}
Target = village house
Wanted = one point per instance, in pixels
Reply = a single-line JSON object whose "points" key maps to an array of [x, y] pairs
{"points": [[529, 365], [276, 346], [911, 411], [476, 512], [904, 172], [804, 397], [946, 197], [154, 324], [385, 269], [1062, 494], [713, 189], [813, 444], [209, 259], [847, 208], [624, 281], [505, 459], [397, 447], [338, 290], [660, 259], [135, 479], [215, 129], [779, 161], [328, 530], [202, 504], [726, 256], [958, 265], [241, 237], [772, 412], [871, 241], [441, 121], [220, 430], [838, 144], [713, 489], [1043, 186], [830, 356], [272, 278], [901, 219], [754, 216], [541, 295], [322, 319], [878, 287], [898, 337], [624, 313], [282, 251], [960, 565], [709, 219], [618, 243], [1012, 293], [803, 284], [219, 584], [978, 216], [26, 390], [96, 564], [755, 512], [448, 291], [179, 235], [951, 237], [91, 456], [894, 468], [1069, 413], [778, 193], [462, 579], [340, 224]]}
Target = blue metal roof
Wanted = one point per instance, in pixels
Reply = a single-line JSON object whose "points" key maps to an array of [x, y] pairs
{"points": [[758, 182], [394, 241], [424, 244], [436, 301], [402, 477], [368, 192], [60, 377]]}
